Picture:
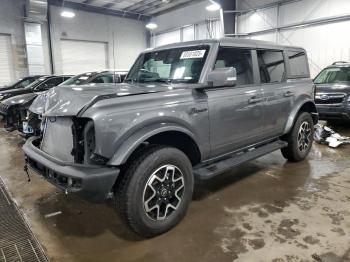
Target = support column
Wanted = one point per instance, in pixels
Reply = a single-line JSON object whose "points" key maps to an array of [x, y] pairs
{"points": [[228, 19]]}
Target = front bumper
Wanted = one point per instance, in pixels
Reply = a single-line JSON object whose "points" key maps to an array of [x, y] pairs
{"points": [[93, 183], [340, 111]]}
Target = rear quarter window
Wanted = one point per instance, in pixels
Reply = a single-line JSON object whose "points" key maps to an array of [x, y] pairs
{"points": [[298, 64]]}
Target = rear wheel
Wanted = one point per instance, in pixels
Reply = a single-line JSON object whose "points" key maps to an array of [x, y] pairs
{"points": [[155, 191], [299, 139]]}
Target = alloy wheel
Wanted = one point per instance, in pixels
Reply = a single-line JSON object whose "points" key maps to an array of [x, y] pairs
{"points": [[304, 137], [163, 192]]}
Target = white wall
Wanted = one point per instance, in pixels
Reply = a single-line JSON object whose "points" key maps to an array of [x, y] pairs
{"points": [[125, 38], [324, 43], [11, 23], [190, 14], [185, 24]]}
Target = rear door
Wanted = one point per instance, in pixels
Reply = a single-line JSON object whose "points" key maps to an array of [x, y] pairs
{"points": [[277, 92], [235, 111]]}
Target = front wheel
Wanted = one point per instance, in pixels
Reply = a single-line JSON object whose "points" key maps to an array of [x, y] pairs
{"points": [[155, 191], [299, 139]]}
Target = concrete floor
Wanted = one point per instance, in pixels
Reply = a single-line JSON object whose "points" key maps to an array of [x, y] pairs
{"points": [[266, 210]]}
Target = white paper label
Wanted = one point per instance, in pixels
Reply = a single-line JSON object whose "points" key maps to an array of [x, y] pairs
{"points": [[193, 54]]}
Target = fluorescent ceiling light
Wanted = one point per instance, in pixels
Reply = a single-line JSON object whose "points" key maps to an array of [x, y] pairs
{"points": [[152, 25], [214, 6], [68, 14]]}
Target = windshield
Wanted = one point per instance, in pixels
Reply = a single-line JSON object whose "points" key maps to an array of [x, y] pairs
{"points": [[172, 65], [334, 75], [77, 80], [36, 82]]}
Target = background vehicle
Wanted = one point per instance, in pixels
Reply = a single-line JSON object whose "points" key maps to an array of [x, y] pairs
{"points": [[29, 124], [16, 100], [333, 92], [99, 77], [186, 111], [21, 83], [41, 84]]}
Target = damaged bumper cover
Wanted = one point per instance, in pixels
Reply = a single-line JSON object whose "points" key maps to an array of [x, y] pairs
{"points": [[93, 183]]}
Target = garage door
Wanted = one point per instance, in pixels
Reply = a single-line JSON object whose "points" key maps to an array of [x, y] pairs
{"points": [[83, 56], [6, 60]]}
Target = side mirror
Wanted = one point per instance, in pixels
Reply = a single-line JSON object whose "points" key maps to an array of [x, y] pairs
{"points": [[222, 77]]}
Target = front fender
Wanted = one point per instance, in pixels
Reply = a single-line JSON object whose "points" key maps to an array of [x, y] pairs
{"points": [[306, 103], [136, 139]]}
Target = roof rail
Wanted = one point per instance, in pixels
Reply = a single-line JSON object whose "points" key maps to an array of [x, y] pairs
{"points": [[340, 62]]}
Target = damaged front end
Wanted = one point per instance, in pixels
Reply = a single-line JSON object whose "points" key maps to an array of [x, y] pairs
{"points": [[14, 111], [64, 155]]}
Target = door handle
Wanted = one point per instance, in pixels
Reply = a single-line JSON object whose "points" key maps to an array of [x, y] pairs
{"points": [[288, 94], [254, 100]]}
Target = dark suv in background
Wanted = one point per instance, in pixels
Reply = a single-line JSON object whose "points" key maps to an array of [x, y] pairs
{"points": [[21, 83], [333, 92]]}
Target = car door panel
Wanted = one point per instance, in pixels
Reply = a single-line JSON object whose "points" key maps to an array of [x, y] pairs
{"points": [[235, 118], [278, 94]]}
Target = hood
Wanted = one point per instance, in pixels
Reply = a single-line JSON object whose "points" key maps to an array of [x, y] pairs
{"points": [[70, 100], [4, 88], [13, 92], [333, 88], [20, 99]]}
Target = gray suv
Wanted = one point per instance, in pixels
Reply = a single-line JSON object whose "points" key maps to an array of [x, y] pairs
{"points": [[185, 111]]}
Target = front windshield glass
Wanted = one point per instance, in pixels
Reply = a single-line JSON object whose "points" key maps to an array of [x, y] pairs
{"points": [[169, 66], [36, 82], [77, 80], [334, 75]]}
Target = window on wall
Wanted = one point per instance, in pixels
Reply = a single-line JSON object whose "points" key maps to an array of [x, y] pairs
{"points": [[271, 66], [240, 59], [298, 64]]}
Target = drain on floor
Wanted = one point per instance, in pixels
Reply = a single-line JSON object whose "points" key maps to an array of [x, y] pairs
{"points": [[17, 242]]}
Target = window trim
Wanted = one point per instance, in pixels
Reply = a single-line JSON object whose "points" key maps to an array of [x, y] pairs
{"points": [[285, 75]]}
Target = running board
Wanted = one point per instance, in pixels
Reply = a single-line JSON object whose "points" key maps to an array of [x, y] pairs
{"points": [[214, 169]]}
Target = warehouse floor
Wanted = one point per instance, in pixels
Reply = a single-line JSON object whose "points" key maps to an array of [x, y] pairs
{"points": [[266, 210]]}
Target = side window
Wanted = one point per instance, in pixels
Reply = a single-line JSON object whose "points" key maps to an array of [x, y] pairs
{"points": [[298, 64], [103, 79], [51, 83], [240, 59], [271, 66]]}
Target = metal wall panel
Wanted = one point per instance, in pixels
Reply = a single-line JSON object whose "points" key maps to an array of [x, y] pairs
{"points": [[325, 43], [6, 60], [83, 56]]}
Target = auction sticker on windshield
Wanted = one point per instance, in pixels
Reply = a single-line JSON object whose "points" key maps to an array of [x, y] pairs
{"points": [[193, 54]]}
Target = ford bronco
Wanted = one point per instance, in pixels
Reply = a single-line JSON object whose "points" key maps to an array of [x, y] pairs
{"points": [[185, 111]]}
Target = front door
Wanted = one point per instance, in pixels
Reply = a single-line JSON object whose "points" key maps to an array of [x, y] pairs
{"points": [[235, 112]]}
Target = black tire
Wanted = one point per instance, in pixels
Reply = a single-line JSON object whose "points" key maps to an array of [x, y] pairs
{"points": [[133, 186], [294, 152]]}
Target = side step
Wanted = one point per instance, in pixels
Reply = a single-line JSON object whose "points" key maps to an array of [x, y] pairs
{"points": [[214, 169]]}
